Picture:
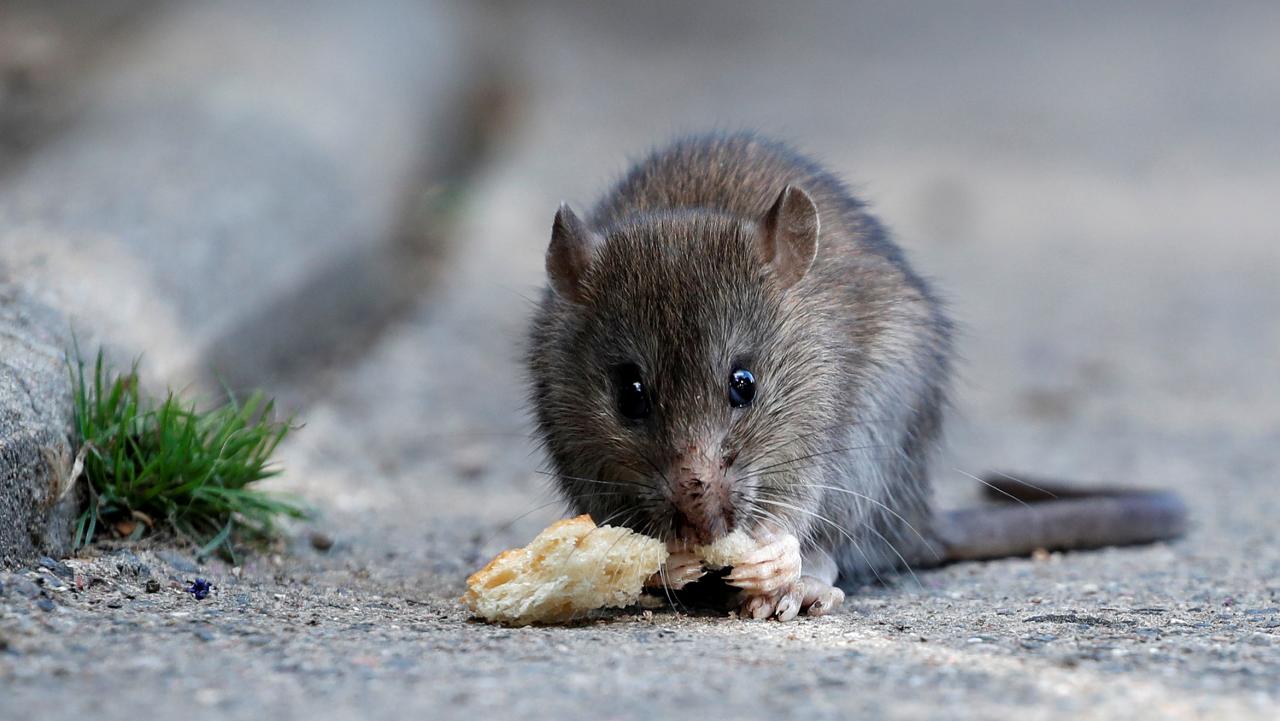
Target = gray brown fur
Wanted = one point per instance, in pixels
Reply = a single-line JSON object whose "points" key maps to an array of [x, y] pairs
{"points": [[855, 356], [853, 361]]}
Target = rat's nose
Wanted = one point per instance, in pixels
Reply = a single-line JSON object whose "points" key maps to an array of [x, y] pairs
{"points": [[700, 499]]}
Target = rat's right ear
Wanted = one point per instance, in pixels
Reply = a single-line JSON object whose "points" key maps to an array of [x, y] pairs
{"points": [[569, 254], [789, 235]]}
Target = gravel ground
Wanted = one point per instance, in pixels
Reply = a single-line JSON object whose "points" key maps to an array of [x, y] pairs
{"points": [[1105, 231]]}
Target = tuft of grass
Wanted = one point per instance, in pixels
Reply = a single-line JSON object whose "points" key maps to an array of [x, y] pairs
{"points": [[164, 465]]}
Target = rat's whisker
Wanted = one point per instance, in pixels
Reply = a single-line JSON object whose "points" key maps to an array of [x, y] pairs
{"points": [[903, 561], [878, 503], [871, 528], [656, 469], [507, 526], [821, 453], [839, 529], [1023, 482], [783, 471], [991, 486], [584, 479]]}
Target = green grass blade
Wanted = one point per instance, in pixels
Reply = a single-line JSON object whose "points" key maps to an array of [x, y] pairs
{"points": [[189, 469]]}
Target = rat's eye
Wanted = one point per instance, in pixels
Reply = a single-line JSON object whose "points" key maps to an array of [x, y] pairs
{"points": [[633, 398], [742, 388]]}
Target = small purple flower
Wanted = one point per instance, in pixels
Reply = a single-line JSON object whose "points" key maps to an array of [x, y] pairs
{"points": [[200, 589]]}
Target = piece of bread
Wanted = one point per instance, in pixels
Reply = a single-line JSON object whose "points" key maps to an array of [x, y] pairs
{"points": [[570, 569], [727, 551]]}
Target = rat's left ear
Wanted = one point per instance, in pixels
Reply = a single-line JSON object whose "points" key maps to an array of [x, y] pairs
{"points": [[570, 253], [789, 235]]}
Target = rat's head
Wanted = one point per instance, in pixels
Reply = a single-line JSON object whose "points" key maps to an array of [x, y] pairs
{"points": [[679, 371]]}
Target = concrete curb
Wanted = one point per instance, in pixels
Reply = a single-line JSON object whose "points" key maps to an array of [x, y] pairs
{"points": [[36, 430]]}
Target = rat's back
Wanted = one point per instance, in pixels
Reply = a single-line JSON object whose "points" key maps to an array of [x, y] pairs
{"points": [[741, 174]]}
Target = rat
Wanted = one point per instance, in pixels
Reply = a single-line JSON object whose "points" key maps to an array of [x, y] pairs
{"points": [[729, 342]]}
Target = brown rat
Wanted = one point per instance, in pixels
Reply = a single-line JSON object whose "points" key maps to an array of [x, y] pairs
{"points": [[729, 341]]}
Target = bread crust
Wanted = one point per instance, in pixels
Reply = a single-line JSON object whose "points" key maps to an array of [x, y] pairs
{"points": [[570, 570]]}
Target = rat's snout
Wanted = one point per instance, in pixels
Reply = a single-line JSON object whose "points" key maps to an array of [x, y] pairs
{"points": [[701, 501]]}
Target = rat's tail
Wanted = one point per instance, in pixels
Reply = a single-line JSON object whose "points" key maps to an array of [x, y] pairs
{"points": [[1044, 515]]}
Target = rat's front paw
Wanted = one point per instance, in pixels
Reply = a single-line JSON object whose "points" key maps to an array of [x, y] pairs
{"points": [[768, 576], [682, 568], [769, 568], [772, 583], [809, 595]]}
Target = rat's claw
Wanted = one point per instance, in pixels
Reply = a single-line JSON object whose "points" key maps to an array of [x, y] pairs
{"points": [[769, 568], [773, 586], [818, 598], [809, 595], [757, 607], [773, 546], [789, 604], [681, 569], [761, 585], [769, 577]]}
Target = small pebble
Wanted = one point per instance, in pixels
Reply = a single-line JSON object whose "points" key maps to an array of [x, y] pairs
{"points": [[321, 541]]}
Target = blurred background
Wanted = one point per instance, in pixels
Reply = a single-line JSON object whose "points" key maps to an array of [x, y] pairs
{"points": [[347, 206]]}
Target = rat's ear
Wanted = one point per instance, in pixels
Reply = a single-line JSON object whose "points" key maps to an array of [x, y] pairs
{"points": [[789, 235], [569, 254]]}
